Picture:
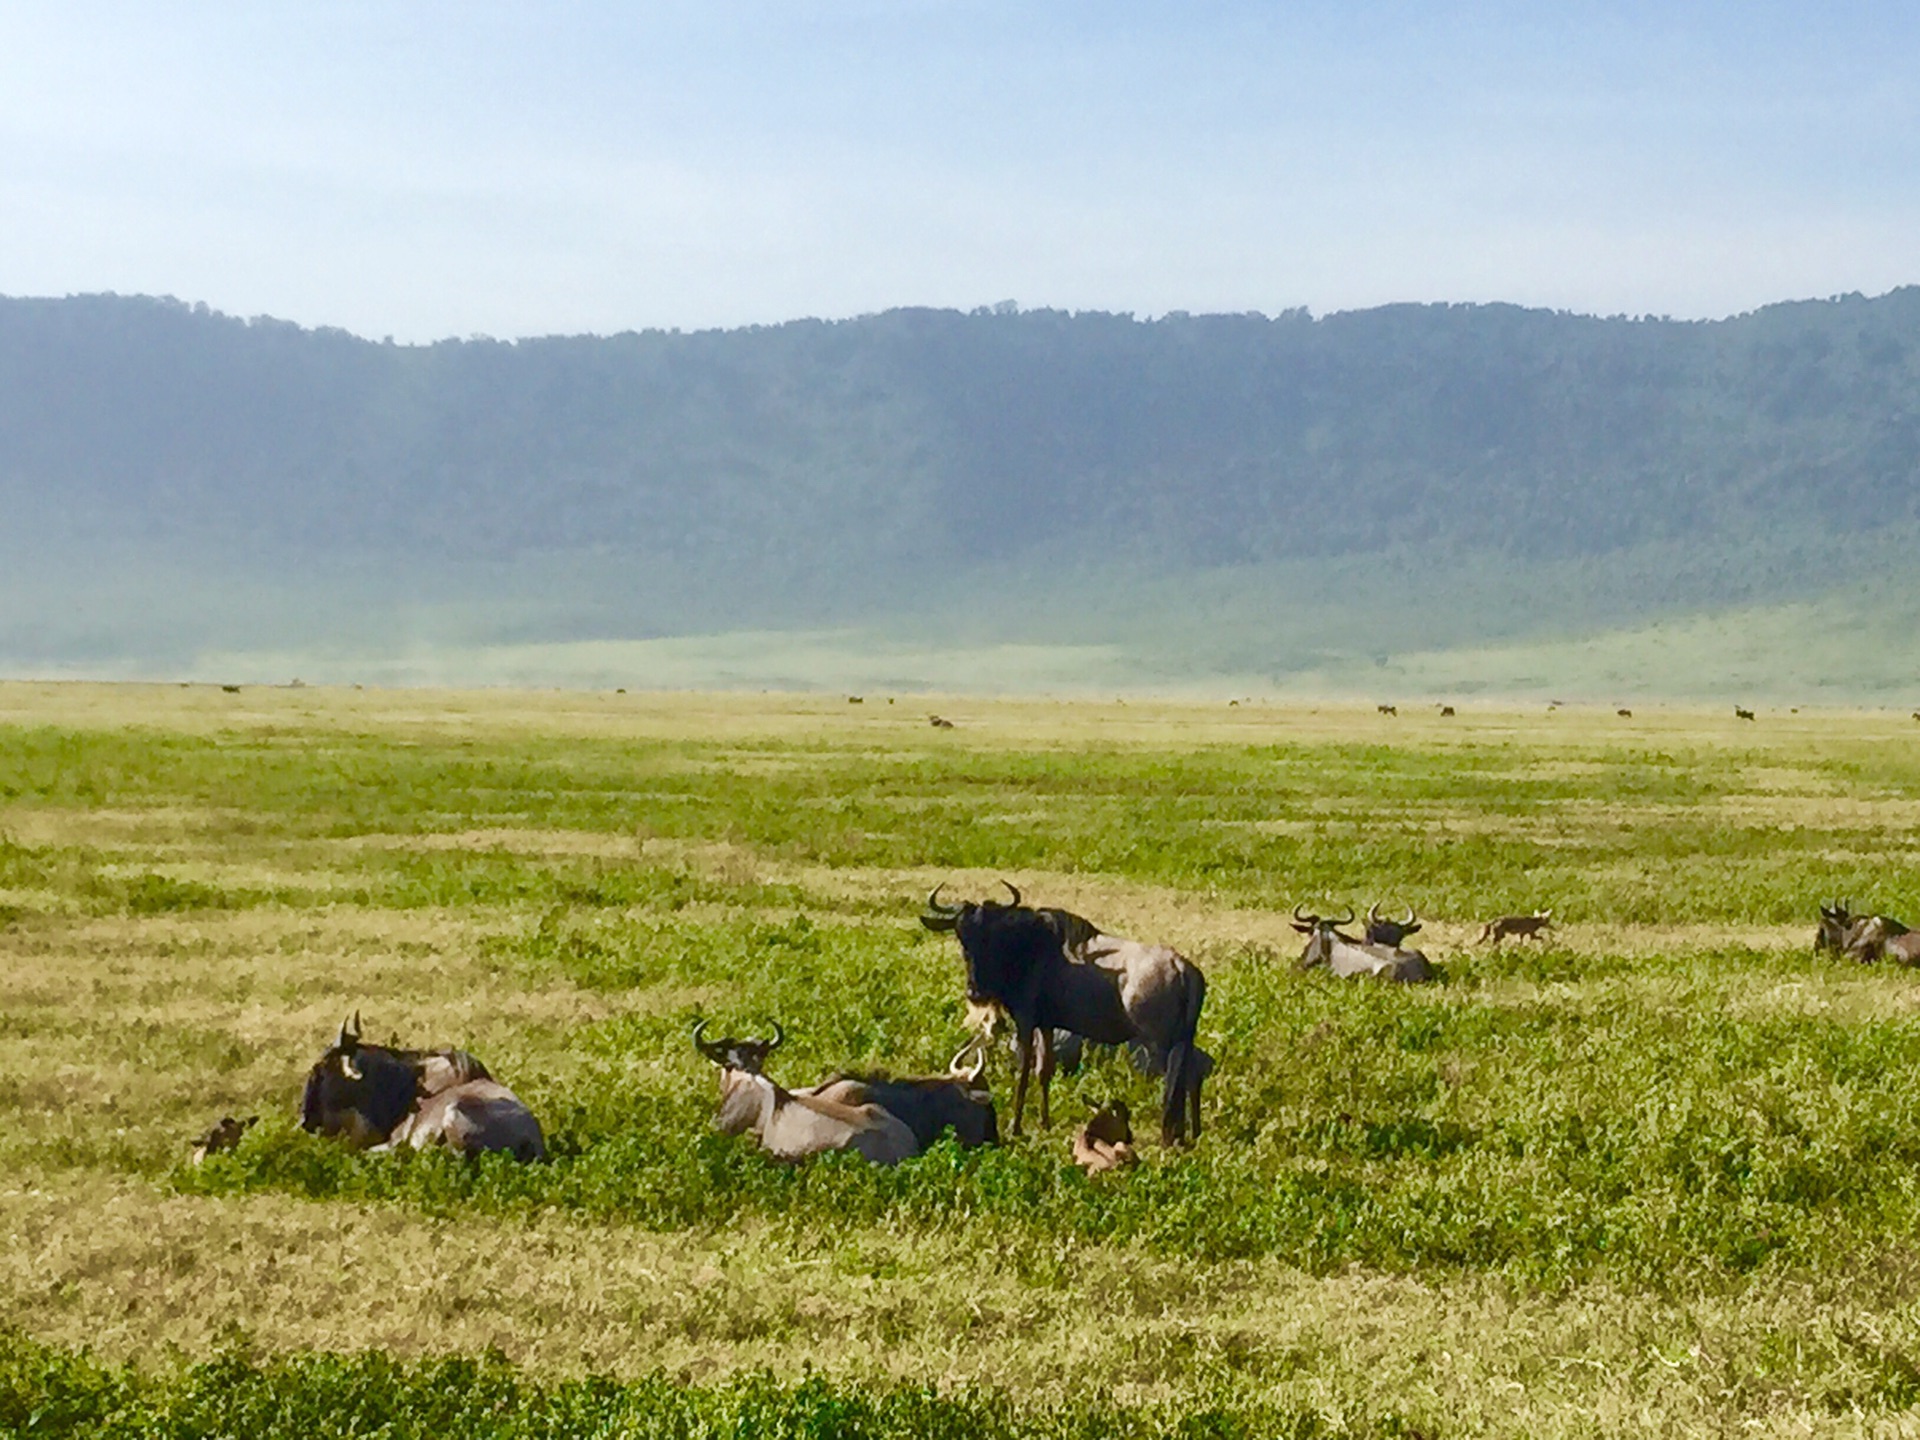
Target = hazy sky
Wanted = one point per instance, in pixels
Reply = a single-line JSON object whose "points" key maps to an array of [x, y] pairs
{"points": [[422, 169]]}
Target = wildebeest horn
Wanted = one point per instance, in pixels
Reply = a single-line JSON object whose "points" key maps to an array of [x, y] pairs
{"points": [[1012, 891], [972, 1077], [778, 1036], [938, 916], [349, 1033], [712, 1049], [1411, 916], [1302, 917], [1349, 919], [1373, 913]]}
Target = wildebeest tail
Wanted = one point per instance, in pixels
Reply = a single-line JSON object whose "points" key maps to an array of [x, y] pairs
{"points": [[1183, 1070]]}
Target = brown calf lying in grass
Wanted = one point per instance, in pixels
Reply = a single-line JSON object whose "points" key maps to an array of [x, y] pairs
{"points": [[1105, 1142]]}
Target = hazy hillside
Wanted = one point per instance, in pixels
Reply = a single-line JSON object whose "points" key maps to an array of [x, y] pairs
{"points": [[1191, 497]]}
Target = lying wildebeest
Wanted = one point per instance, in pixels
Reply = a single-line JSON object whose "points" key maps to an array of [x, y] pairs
{"points": [[375, 1096], [1382, 931], [223, 1136], [940, 722], [1346, 956], [1866, 938], [1105, 1142], [1526, 927], [794, 1127], [929, 1105], [1116, 992]]}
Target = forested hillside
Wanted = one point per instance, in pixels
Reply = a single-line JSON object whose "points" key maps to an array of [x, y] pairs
{"points": [[1001, 466]]}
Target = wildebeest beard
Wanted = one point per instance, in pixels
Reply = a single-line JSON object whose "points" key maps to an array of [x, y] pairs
{"points": [[1003, 945]]}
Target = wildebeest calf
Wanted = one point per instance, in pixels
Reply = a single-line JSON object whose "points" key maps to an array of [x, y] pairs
{"points": [[1105, 1142], [1524, 927]]}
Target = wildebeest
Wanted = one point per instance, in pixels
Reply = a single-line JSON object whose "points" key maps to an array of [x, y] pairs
{"points": [[225, 1135], [1740, 714], [794, 1127], [377, 1097], [1624, 713], [1116, 992], [1105, 1142], [1346, 956], [1446, 710], [940, 722], [1382, 931], [1387, 709], [1069, 1049], [929, 1105], [1865, 938], [1526, 927]]}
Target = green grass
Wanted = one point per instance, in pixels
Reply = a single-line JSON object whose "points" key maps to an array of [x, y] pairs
{"points": [[1672, 1108], [46, 1392]]}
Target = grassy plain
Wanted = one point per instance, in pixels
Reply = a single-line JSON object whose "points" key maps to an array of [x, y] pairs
{"points": [[1658, 1175]]}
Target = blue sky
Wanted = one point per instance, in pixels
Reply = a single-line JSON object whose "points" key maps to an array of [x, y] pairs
{"points": [[425, 169]]}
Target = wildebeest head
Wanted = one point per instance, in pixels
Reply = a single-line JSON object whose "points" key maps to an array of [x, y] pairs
{"points": [[1381, 931], [732, 1053], [359, 1091], [1836, 927], [1321, 932], [1003, 944]]}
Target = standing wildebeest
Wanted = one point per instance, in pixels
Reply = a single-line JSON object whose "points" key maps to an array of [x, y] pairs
{"points": [[1446, 710], [1382, 931], [1117, 991], [1346, 956], [794, 1127], [1387, 709], [375, 1096], [1740, 714], [1526, 927]]}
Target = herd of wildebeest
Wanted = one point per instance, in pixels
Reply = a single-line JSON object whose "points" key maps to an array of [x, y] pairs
{"points": [[1055, 977]]}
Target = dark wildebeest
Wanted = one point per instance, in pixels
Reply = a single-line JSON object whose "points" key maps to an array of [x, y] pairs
{"points": [[375, 1096], [1387, 709], [1624, 714], [1105, 1142], [1346, 956], [794, 1127], [928, 1105], [1116, 992], [1525, 927], [1382, 931], [940, 722], [1740, 714], [1446, 710]]}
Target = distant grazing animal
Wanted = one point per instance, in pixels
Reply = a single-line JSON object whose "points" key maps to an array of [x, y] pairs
{"points": [[1105, 1142], [1382, 931], [928, 1105], [223, 1136], [856, 699], [1446, 710], [1624, 714], [1116, 992], [1740, 714], [230, 689], [377, 1097], [1524, 927], [1387, 709], [795, 1127], [1348, 957], [940, 722]]}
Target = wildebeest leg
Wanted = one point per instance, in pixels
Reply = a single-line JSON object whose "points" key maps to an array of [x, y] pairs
{"points": [[1044, 1068], [1023, 1064]]}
